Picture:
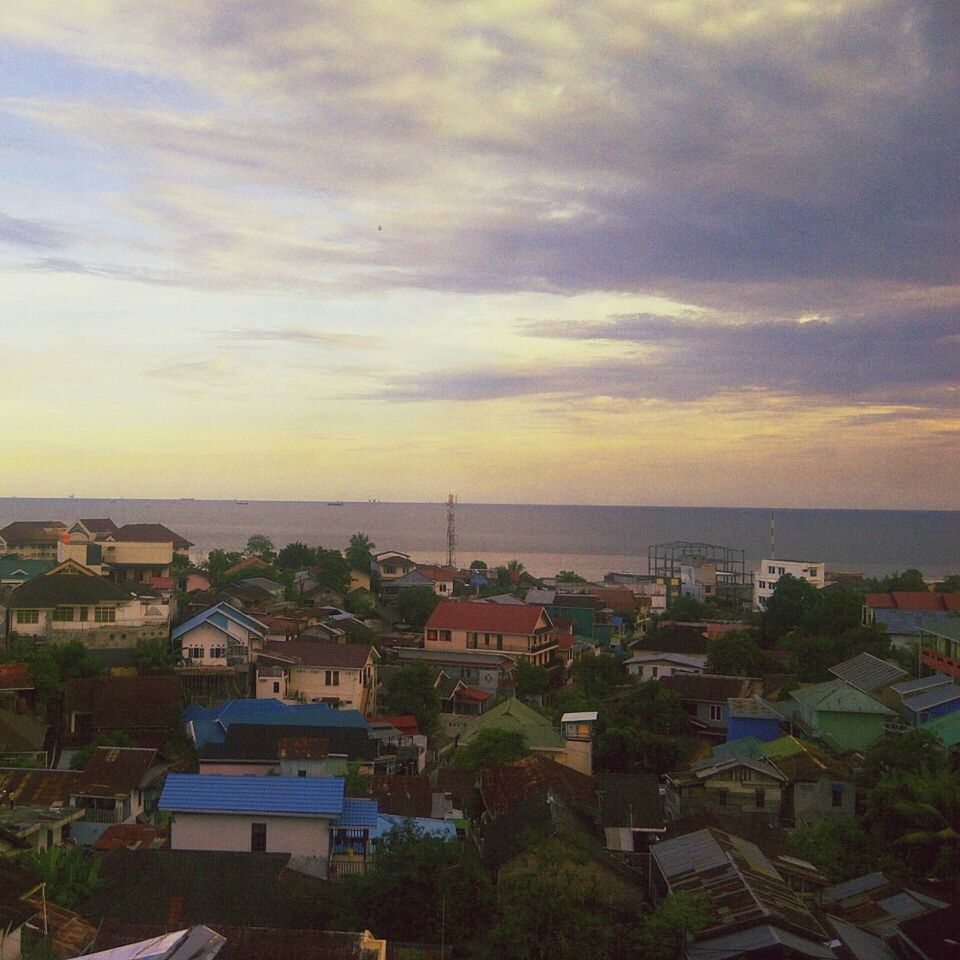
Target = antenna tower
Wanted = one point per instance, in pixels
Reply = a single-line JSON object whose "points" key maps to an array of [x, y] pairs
{"points": [[773, 539], [451, 530]]}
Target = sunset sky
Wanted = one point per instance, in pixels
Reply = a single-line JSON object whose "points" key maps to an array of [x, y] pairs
{"points": [[606, 251]]}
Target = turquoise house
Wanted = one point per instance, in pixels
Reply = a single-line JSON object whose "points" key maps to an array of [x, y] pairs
{"points": [[842, 716]]}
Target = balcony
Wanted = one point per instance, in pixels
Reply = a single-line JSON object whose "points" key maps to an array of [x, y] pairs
{"points": [[345, 865]]}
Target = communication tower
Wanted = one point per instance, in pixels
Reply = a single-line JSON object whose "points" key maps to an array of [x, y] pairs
{"points": [[451, 530]]}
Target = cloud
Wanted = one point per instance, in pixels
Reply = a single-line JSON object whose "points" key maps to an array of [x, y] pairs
{"points": [[32, 234], [352, 341]]}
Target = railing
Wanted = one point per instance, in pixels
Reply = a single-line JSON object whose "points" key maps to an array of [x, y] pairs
{"points": [[95, 815], [345, 866]]}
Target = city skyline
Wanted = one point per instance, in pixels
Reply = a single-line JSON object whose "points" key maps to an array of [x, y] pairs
{"points": [[682, 253]]}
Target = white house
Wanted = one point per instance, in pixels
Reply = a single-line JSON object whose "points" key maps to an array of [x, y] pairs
{"points": [[219, 637], [768, 574], [654, 666]]}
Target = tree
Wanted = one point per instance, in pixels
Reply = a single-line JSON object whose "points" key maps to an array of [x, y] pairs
{"points": [[361, 603], [918, 753], [653, 707], [412, 691], [833, 612], [333, 570], [51, 667], [360, 552], [296, 556], [664, 933], [949, 584], [117, 738], [599, 676], [735, 654], [478, 565], [414, 606], [153, 655], [491, 747], [70, 875], [515, 566], [532, 681], [260, 545], [791, 601], [568, 576], [689, 609], [219, 561]]}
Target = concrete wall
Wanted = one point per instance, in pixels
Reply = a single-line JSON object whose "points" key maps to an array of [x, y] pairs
{"points": [[814, 801], [303, 836], [311, 684]]}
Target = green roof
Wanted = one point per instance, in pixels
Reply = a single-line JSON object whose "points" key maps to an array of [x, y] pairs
{"points": [[782, 747], [835, 696], [65, 589], [949, 629], [31, 568], [946, 729], [743, 747], [514, 714]]}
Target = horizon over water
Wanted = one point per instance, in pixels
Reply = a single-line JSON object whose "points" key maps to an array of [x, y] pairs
{"points": [[546, 538]]}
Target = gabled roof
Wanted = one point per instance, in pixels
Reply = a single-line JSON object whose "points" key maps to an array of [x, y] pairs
{"points": [[868, 673], [115, 771], [13, 568], [630, 800], [680, 659], [38, 788], [149, 533], [213, 793], [948, 629], [270, 742], [406, 723], [505, 785], [99, 524], [125, 703], [437, 573], [32, 531], [711, 766], [133, 836], [403, 796], [66, 589], [711, 688], [218, 616], [514, 714], [914, 600], [487, 617], [835, 696], [342, 656]]}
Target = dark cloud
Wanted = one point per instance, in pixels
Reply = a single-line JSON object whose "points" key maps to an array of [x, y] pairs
{"points": [[34, 234]]}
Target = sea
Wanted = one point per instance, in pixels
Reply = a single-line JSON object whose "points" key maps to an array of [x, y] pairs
{"points": [[590, 540]]}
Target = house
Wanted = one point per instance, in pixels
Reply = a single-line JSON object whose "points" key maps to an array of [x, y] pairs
{"points": [[905, 613], [403, 796], [343, 675], [940, 645], [655, 666], [402, 736], [706, 697], [869, 674], [31, 539], [112, 786], [752, 910], [17, 690], [143, 707], [752, 717], [842, 716], [276, 590], [592, 619], [522, 630], [484, 670], [70, 602], [768, 575], [291, 815], [458, 698], [221, 636], [631, 812], [931, 704], [388, 567]]}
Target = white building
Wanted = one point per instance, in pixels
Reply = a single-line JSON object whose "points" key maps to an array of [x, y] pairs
{"points": [[768, 574]]}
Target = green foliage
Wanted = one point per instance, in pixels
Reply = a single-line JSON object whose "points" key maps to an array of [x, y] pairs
{"points": [[359, 553], [598, 676], [839, 849], [52, 666], [116, 738], [218, 562], [689, 609], [361, 603], [654, 707], [260, 545], [296, 556], [813, 656], [568, 576], [71, 876], [19, 762], [950, 584], [414, 606], [908, 581], [355, 783], [917, 753], [333, 570], [153, 654], [411, 690], [532, 680], [478, 565], [736, 654], [664, 932], [791, 601], [491, 747], [833, 612]]}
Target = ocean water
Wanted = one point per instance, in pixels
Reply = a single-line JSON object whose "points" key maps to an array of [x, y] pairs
{"points": [[588, 539]]}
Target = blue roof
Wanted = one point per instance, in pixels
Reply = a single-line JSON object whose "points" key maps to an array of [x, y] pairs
{"points": [[319, 796], [358, 813], [220, 615], [210, 725], [445, 829]]}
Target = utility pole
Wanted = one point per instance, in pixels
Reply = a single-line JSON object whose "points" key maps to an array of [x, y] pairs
{"points": [[451, 530]]}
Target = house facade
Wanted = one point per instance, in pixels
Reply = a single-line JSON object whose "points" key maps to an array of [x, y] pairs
{"points": [[31, 539], [706, 697], [842, 716], [221, 636], [768, 574]]}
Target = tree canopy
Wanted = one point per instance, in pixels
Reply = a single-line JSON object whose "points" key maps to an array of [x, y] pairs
{"points": [[569, 576], [414, 606], [736, 654], [260, 545], [332, 569], [296, 556], [491, 747], [359, 552], [411, 690]]}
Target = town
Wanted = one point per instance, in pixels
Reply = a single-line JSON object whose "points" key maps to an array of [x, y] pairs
{"points": [[344, 751]]}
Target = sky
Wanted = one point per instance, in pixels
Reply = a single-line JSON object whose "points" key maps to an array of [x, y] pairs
{"points": [[622, 251]]}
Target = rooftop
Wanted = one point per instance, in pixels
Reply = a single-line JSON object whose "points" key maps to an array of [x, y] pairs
{"points": [[914, 601], [505, 785], [754, 707], [513, 714], [32, 531], [868, 673], [487, 617], [115, 771], [66, 589], [403, 796], [835, 696], [350, 656], [270, 742], [149, 533], [220, 615], [297, 796], [712, 688], [630, 800]]}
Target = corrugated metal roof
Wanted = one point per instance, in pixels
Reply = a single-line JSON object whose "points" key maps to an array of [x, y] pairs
{"points": [[691, 853], [835, 696], [317, 796], [752, 708], [840, 891], [948, 629], [933, 698], [909, 687], [358, 813], [863, 945], [868, 673], [945, 729], [218, 615]]}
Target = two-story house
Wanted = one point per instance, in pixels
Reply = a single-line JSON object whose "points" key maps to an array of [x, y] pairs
{"points": [[221, 636], [706, 697], [388, 567], [31, 539], [522, 630]]}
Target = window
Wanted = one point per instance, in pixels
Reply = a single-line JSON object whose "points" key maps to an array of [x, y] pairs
{"points": [[836, 794], [446, 635], [780, 570], [333, 678], [653, 673], [431, 634], [195, 653], [761, 797], [258, 837], [63, 613], [762, 584], [722, 797], [217, 652], [715, 711], [105, 614], [771, 569], [28, 616], [82, 613], [276, 686], [301, 773]]}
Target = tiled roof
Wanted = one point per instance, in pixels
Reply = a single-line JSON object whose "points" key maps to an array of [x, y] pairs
{"points": [[38, 788], [914, 600], [351, 656], [260, 742], [15, 676], [149, 533], [711, 688], [219, 615], [404, 796], [461, 785], [125, 703], [32, 531], [55, 589], [504, 786], [868, 673], [99, 524], [15, 569], [358, 812], [434, 572], [307, 796], [835, 696], [630, 800], [513, 714], [486, 617], [115, 771]]}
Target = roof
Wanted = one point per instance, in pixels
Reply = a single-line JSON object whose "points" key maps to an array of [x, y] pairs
{"points": [[754, 707], [15, 676], [32, 531], [149, 533], [404, 796], [835, 696], [932, 698], [263, 582], [800, 760], [584, 716], [504, 786], [406, 723], [13, 568], [945, 729], [711, 688], [301, 748], [910, 687], [133, 836], [948, 629], [514, 714], [115, 771], [261, 743], [487, 617], [297, 796], [630, 800], [740, 884], [358, 812], [914, 600], [868, 673], [44, 788], [55, 589], [681, 659], [139, 703], [936, 934], [460, 784], [99, 524], [863, 945], [219, 616], [349, 656]]}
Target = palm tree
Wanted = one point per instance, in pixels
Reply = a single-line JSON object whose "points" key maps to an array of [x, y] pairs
{"points": [[360, 551]]}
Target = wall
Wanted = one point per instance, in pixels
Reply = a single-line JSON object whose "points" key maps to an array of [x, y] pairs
{"points": [[144, 554], [310, 683], [207, 637], [796, 568], [852, 731], [303, 836], [314, 768], [757, 727], [812, 801], [238, 769]]}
